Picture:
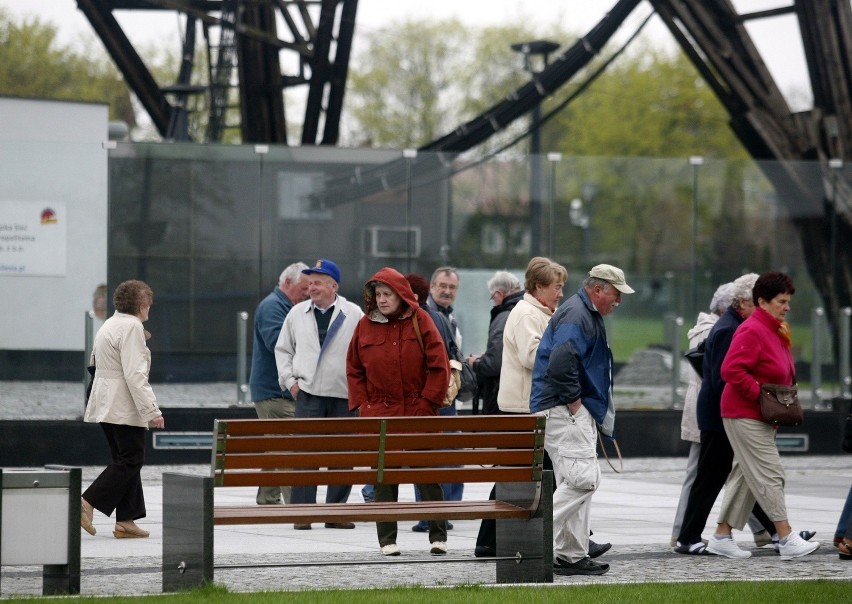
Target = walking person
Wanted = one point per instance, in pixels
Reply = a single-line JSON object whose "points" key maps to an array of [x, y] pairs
{"points": [[396, 366], [544, 280], [572, 388], [689, 431], [270, 400], [123, 403], [759, 354]]}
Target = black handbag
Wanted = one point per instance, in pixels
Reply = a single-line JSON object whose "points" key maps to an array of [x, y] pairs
{"points": [[779, 405], [695, 356]]}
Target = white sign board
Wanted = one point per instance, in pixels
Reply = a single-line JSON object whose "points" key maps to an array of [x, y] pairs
{"points": [[33, 238]]}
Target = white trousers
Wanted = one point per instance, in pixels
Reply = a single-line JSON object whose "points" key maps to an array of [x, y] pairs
{"points": [[571, 443]]}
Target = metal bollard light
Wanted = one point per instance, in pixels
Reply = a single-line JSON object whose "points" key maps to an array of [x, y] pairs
{"points": [[242, 334]]}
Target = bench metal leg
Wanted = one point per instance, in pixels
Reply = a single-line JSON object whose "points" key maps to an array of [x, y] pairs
{"points": [[187, 531], [529, 542]]}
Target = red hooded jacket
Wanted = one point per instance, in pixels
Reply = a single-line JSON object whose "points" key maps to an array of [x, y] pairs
{"points": [[386, 369]]}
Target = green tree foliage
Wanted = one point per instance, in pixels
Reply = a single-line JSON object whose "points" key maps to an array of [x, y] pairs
{"points": [[33, 64], [646, 104]]}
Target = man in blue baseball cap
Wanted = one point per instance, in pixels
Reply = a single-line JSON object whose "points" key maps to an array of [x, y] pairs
{"points": [[311, 359]]}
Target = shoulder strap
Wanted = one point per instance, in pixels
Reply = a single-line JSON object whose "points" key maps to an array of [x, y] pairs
{"points": [[416, 326]]}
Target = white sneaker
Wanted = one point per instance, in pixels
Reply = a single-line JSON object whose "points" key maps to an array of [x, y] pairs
{"points": [[439, 548], [726, 547], [796, 546], [391, 549]]}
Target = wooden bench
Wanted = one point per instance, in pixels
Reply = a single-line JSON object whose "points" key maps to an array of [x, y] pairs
{"points": [[503, 449]]}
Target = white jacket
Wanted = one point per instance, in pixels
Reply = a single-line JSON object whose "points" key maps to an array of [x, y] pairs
{"points": [[524, 327], [321, 372], [689, 420], [121, 393]]}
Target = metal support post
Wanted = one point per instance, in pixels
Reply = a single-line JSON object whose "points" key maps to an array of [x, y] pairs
{"points": [[88, 344], [242, 336], [677, 323], [817, 324], [844, 373]]}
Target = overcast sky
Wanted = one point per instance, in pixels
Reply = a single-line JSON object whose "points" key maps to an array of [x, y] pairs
{"points": [[777, 38]]}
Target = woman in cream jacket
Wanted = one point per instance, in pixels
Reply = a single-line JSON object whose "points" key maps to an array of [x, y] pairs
{"points": [[123, 403], [543, 283]]}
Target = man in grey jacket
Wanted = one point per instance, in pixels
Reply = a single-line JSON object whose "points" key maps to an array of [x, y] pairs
{"points": [[311, 359]]}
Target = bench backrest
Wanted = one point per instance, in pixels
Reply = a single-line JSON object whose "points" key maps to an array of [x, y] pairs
{"points": [[393, 450]]}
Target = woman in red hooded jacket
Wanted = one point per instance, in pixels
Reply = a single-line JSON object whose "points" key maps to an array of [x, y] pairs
{"points": [[391, 373]]}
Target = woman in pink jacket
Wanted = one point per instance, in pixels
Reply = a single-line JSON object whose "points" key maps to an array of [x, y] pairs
{"points": [[391, 371], [759, 354]]}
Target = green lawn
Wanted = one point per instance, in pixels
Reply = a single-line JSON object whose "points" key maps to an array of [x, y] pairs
{"points": [[757, 592], [627, 335]]}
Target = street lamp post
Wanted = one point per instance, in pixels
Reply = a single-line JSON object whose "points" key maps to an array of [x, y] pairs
{"points": [[541, 48]]}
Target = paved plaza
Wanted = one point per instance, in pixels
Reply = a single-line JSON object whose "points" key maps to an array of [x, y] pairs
{"points": [[632, 510]]}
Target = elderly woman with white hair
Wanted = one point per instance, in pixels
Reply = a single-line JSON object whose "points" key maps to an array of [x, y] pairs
{"points": [[689, 431], [716, 456], [505, 292]]}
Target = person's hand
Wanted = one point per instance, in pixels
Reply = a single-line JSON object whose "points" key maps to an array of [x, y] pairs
{"points": [[472, 358], [294, 391], [157, 422], [575, 406]]}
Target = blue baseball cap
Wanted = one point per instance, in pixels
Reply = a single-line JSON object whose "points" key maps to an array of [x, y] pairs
{"points": [[324, 267]]}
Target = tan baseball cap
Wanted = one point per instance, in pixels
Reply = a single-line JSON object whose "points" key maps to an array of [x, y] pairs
{"points": [[612, 274]]}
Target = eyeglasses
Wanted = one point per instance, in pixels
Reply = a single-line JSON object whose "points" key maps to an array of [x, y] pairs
{"points": [[491, 297]]}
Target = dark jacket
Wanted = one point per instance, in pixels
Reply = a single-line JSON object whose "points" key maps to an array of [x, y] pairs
{"points": [[574, 362], [268, 319], [387, 371], [715, 348], [487, 366]]}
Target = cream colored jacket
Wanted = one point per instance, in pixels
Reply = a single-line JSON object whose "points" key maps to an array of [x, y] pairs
{"points": [[521, 337], [121, 393]]}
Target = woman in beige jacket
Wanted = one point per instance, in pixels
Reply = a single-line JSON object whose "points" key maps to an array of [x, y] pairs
{"points": [[543, 283], [123, 403]]}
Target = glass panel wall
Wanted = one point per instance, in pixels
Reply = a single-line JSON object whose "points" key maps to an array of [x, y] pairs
{"points": [[211, 227]]}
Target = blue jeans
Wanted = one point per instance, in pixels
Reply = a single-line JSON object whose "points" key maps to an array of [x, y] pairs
{"points": [[843, 526]]}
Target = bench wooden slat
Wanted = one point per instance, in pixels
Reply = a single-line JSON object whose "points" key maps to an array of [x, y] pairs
{"points": [[346, 425], [369, 442], [367, 512], [348, 459], [237, 478]]}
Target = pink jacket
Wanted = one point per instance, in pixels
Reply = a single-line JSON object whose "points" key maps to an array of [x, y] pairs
{"points": [[757, 356]]}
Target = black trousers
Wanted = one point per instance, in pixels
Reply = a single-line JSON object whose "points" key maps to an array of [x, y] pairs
{"points": [[714, 465], [119, 487]]}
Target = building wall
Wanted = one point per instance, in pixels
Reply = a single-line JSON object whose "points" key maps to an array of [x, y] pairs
{"points": [[53, 222]]}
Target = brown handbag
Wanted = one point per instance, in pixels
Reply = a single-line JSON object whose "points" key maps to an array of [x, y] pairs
{"points": [[779, 405]]}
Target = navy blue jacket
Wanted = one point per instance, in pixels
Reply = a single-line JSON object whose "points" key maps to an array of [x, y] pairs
{"points": [[268, 319], [574, 362], [715, 348]]}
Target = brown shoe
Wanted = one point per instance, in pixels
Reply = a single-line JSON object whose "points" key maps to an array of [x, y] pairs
{"points": [[302, 527], [86, 514], [129, 530], [340, 525]]}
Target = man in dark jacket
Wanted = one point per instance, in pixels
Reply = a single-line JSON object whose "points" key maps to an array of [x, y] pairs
{"points": [[270, 401], [505, 290], [572, 388]]}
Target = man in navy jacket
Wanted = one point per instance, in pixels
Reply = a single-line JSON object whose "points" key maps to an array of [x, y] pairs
{"points": [[572, 387]]}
